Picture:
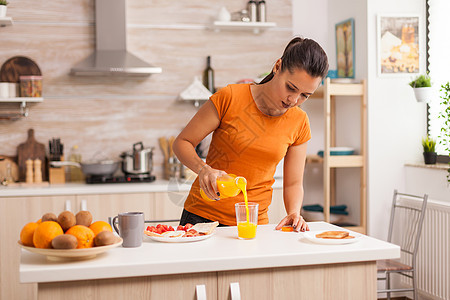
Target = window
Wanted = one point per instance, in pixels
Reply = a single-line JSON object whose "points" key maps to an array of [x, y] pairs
{"points": [[438, 62]]}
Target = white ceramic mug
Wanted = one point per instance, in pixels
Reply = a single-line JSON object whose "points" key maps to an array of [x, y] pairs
{"points": [[4, 89], [13, 89]]}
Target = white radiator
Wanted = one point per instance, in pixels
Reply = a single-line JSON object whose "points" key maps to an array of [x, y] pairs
{"points": [[433, 258]]}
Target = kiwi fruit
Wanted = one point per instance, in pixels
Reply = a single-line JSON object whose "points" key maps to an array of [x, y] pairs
{"points": [[66, 219], [65, 241], [104, 238], [83, 217], [49, 217]]}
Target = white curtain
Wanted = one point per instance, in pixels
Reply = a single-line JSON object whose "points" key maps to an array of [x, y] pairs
{"points": [[439, 61]]}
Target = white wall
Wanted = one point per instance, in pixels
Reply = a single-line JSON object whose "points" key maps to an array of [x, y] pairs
{"points": [[317, 20], [396, 123]]}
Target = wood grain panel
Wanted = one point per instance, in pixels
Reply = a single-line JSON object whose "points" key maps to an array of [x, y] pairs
{"points": [[109, 114], [15, 213], [333, 281], [199, 11], [156, 287], [51, 11]]}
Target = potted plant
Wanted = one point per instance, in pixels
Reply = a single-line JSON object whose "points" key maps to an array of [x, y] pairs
{"points": [[444, 137], [422, 88], [3, 4], [429, 150]]}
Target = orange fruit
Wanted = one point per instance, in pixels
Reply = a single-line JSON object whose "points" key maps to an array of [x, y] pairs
{"points": [[100, 226], [26, 235], [44, 234], [84, 235], [39, 221]]}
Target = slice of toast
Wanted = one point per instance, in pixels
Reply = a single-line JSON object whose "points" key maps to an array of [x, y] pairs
{"points": [[332, 235], [206, 228]]}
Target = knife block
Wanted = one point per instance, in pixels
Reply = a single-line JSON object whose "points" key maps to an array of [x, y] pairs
{"points": [[57, 175]]}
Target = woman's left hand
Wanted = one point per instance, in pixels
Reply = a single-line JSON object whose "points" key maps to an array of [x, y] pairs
{"points": [[296, 220]]}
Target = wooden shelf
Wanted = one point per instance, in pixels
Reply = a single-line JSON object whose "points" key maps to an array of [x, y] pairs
{"points": [[5, 21], [256, 27], [331, 162], [346, 89], [346, 161], [22, 99]]}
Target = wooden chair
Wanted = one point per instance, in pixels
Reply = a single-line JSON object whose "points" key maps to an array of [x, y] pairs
{"points": [[405, 228]]}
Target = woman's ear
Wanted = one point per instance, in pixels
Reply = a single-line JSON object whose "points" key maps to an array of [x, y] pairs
{"points": [[277, 66]]}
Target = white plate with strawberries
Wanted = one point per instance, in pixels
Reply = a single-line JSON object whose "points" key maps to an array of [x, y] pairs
{"points": [[183, 234]]}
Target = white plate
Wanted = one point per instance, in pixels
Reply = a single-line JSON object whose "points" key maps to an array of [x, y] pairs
{"points": [[179, 239], [311, 236], [71, 254]]}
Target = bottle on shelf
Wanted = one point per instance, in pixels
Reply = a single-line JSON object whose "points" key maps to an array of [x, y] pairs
{"points": [[261, 16], [208, 76], [75, 173], [252, 8]]}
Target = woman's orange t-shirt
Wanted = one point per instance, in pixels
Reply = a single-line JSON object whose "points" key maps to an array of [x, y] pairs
{"points": [[247, 143]]}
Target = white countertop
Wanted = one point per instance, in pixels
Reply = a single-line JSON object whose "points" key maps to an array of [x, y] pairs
{"points": [[221, 252], [158, 185]]}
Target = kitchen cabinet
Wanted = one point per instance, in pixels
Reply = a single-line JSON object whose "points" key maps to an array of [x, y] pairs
{"points": [[103, 206], [169, 206], [15, 213], [276, 209], [275, 265], [18, 211], [182, 286], [331, 163]]}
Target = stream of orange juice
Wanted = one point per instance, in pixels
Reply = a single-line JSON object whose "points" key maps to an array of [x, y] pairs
{"points": [[246, 229]]}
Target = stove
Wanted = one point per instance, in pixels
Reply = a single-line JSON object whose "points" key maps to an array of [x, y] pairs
{"points": [[121, 179]]}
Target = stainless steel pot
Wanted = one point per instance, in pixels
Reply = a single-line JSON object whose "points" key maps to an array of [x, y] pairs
{"points": [[140, 161]]}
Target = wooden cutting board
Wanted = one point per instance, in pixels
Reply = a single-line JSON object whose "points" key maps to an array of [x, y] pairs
{"points": [[16, 66], [31, 149]]}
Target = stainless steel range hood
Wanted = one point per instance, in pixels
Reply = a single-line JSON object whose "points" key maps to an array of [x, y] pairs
{"points": [[111, 57]]}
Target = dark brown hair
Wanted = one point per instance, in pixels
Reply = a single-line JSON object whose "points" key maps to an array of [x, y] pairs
{"points": [[303, 54]]}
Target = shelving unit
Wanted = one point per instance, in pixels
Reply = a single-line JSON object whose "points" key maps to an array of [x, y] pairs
{"points": [[256, 27], [22, 99], [23, 109], [5, 21], [331, 163]]}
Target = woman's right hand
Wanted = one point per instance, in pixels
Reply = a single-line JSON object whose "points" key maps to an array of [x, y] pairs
{"points": [[207, 178]]}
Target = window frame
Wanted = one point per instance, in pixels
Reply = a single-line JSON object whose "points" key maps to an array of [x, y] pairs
{"points": [[440, 158]]}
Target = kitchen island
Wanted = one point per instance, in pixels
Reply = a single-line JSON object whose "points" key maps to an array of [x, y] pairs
{"points": [[274, 265]]}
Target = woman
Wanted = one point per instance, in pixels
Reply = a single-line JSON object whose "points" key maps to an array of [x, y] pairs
{"points": [[254, 126]]}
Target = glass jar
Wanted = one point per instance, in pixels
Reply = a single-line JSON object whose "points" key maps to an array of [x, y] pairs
{"points": [[31, 86]]}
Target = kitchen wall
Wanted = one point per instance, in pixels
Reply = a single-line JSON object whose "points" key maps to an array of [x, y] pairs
{"points": [[109, 114], [396, 122], [319, 24]]}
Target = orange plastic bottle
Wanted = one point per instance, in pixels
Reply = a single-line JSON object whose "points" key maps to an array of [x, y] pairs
{"points": [[228, 186]]}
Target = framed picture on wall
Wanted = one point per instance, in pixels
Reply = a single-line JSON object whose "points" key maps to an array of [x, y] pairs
{"points": [[398, 45], [345, 48]]}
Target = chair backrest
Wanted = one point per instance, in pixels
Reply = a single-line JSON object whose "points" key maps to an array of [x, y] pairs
{"points": [[405, 226]]}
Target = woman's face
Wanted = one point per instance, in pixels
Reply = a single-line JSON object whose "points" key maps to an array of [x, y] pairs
{"points": [[292, 89]]}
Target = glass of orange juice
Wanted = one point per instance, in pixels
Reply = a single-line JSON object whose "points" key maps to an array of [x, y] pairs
{"points": [[247, 219]]}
